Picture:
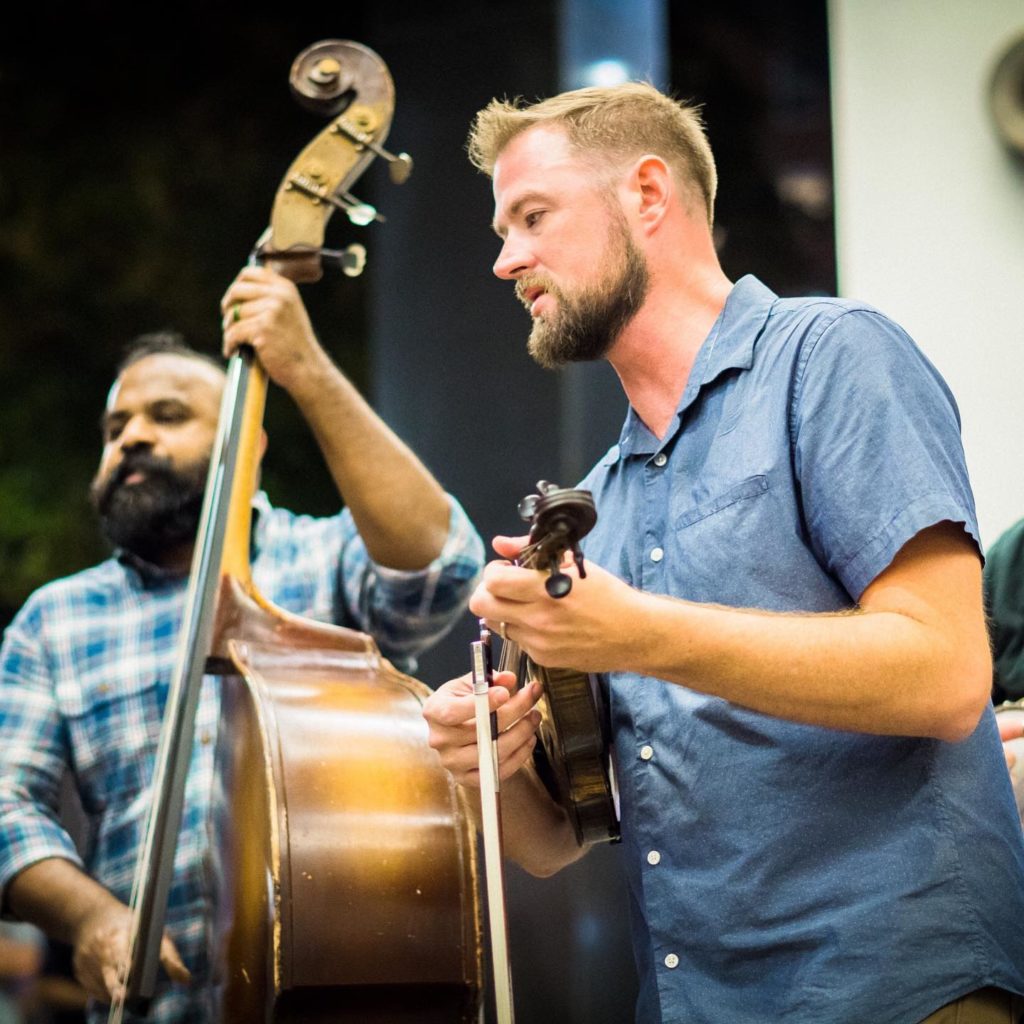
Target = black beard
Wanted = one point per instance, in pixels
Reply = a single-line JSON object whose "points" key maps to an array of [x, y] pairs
{"points": [[586, 325], [156, 515]]}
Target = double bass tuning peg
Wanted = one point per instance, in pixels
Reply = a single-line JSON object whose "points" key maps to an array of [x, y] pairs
{"points": [[399, 167]]}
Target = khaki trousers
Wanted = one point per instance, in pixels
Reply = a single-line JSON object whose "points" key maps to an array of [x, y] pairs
{"points": [[983, 1006]]}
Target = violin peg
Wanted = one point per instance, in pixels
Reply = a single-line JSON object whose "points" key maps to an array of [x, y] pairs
{"points": [[558, 584], [577, 557], [527, 508]]}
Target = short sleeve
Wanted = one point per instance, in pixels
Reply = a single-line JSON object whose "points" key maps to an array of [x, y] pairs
{"points": [[320, 568], [876, 445], [408, 611]]}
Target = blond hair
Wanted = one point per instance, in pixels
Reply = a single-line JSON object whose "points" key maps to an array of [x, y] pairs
{"points": [[619, 122]]}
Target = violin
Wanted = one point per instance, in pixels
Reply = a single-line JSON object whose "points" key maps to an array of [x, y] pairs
{"points": [[572, 755]]}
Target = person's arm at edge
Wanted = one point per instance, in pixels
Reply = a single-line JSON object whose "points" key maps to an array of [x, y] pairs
{"points": [[59, 898]]}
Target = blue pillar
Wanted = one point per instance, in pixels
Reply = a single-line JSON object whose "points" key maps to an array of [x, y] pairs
{"points": [[602, 42]]}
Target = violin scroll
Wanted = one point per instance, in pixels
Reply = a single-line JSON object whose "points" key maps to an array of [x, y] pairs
{"points": [[560, 518]]}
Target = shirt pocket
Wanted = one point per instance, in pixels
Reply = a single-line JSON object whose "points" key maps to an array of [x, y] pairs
{"points": [[114, 728], [752, 487], [712, 541]]}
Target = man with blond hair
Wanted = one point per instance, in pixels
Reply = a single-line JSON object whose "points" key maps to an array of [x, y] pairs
{"points": [[783, 594]]}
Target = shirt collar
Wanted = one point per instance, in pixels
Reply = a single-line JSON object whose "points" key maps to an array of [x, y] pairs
{"points": [[728, 346], [730, 343], [145, 573]]}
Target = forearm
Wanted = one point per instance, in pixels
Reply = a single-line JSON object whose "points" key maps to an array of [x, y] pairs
{"points": [[57, 897], [912, 659], [536, 833], [18, 959], [400, 509], [876, 672]]}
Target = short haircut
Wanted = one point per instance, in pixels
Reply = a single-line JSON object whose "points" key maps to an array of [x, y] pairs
{"points": [[617, 123], [162, 343]]}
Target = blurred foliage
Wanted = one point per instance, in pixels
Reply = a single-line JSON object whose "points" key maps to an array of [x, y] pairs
{"points": [[137, 170]]}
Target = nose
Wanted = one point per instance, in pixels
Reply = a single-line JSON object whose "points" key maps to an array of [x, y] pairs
{"points": [[512, 261], [137, 433]]}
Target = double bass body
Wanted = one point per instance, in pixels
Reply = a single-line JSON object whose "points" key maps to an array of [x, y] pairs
{"points": [[343, 860]]}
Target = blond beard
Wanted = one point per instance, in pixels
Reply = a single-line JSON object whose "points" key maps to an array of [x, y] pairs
{"points": [[584, 326]]}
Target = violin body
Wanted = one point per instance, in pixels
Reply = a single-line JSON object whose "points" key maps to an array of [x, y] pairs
{"points": [[572, 753], [343, 858]]}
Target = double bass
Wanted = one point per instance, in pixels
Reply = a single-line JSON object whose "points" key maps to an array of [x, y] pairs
{"points": [[341, 855]]}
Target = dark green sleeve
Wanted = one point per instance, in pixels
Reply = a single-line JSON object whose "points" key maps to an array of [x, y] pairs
{"points": [[1004, 601]]}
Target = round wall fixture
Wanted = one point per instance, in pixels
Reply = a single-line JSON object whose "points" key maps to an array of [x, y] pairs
{"points": [[1006, 95]]}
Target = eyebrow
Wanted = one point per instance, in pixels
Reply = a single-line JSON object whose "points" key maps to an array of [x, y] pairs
{"points": [[116, 416], [513, 210], [108, 419]]}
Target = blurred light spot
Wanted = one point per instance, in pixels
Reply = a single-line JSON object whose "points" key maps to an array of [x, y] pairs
{"points": [[605, 72]]}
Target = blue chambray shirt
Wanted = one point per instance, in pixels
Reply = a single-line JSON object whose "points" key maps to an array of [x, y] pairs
{"points": [[779, 871], [85, 669]]}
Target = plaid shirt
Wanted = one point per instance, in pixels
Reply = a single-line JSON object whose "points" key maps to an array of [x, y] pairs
{"points": [[85, 669]]}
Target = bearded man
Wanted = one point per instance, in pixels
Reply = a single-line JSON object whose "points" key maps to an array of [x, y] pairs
{"points": [[86, 664], [783, 592]]}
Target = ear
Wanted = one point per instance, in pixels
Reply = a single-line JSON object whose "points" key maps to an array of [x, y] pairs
{"points": [[654, 190]]}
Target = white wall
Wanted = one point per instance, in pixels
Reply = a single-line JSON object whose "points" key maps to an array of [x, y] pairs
{"points": [[930, 211]]}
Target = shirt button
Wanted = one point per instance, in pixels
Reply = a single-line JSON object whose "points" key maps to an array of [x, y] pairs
{"points": [[653, 858], [671, 961], [660, 459], [646, 752], [657, 554]]}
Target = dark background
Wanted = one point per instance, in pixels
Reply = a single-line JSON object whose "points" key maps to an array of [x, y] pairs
{"points": [[138, 166]]}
